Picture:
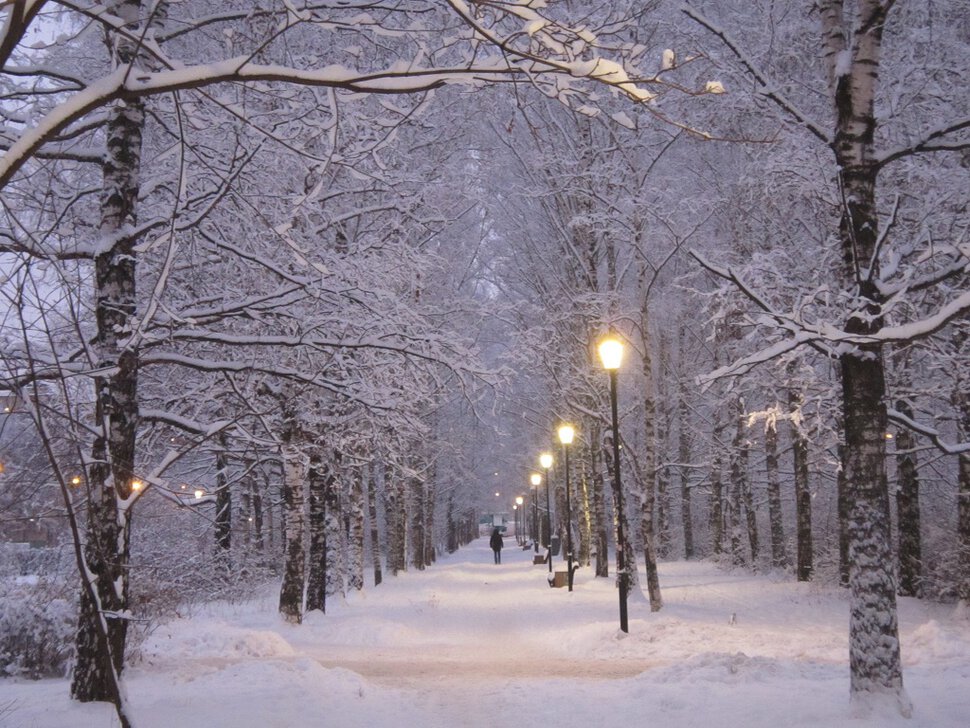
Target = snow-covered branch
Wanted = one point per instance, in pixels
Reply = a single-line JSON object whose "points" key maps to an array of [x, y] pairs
{"points": [[929, 433], [930, 142], [766, 87]]}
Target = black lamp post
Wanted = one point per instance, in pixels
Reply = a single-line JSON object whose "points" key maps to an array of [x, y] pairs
{"points": [[566, 433], [545, 460], [520, 535], [536, 480], [611, 352]]}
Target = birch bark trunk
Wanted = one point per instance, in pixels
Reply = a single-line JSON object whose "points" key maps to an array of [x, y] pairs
{"points": [[852, 36], [355, 537], [102, 631], [294, 568], [910, 550]]}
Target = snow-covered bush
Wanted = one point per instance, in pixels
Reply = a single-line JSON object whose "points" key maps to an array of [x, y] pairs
{"points": [[36, 629], [37, 613]]}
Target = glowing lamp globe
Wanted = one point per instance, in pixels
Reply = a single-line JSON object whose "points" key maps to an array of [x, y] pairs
{"points": [[611, 353]]}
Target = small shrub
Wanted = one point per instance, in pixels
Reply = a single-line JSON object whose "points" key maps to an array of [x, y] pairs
{"points": [[36, 630]]}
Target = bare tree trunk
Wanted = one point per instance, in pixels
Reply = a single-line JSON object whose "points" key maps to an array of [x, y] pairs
{"points": [[396, 516], [294, 570], [662, 439], [257, 504], [736, 486], [629, 554], [910, 550], [962, 402], [963, 526], [223, 519], [779, 559], [430, 550], [585, 513], [333, 565], [355, 541], [843, 509], [683, 455], [743, 482], [317, 476], [717, 489], [650, 459], [418, 523], [663, 512], [750, 514], [600, 537], [375, 541], [803, 494]]}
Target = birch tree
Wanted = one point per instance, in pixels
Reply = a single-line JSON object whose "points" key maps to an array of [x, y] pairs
{"points": [[852, 46]]}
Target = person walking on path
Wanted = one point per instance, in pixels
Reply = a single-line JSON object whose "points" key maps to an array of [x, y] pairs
{"points": [[496, 543]]}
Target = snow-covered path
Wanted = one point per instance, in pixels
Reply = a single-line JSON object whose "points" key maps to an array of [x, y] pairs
{"points": [[469, 643]]}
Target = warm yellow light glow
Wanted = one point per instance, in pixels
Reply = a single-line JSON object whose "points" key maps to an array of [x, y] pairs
{"points": [[889, 436], [536, 479], [519, 500], [515, 507], [199, 493], [497, 494], [76, 480], [136, 485], [545, 460], [566, 434], [611, 352]]}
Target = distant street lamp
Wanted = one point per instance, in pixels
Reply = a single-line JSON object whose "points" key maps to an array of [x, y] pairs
{"points": [[545, 460], [519, 500], [536, 480], [611, 353], [566, 433]]}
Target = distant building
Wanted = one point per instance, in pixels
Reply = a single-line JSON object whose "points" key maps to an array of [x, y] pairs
{"points": [[492, 520]]}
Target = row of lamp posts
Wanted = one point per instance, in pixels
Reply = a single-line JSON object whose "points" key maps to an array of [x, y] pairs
{"points": [[611, 355]]}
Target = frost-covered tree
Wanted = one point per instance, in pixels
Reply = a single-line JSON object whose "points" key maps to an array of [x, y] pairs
{"points": [[867, 57]]}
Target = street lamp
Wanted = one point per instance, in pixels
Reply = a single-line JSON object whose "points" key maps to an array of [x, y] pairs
{"points": [[566, 433], [519, 500], [536, 480], [611, 354], [545, 460]]}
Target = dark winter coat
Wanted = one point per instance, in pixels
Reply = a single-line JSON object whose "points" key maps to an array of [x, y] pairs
{"points": [[496, 540]]}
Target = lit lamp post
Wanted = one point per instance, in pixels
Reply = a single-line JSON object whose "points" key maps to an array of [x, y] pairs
{"points": [[611, 353], [519, 500], [536, 480], [566, 433], [545, 460]]}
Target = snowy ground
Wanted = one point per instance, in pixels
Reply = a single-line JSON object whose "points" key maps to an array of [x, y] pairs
{"points": [[468, 643]]}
